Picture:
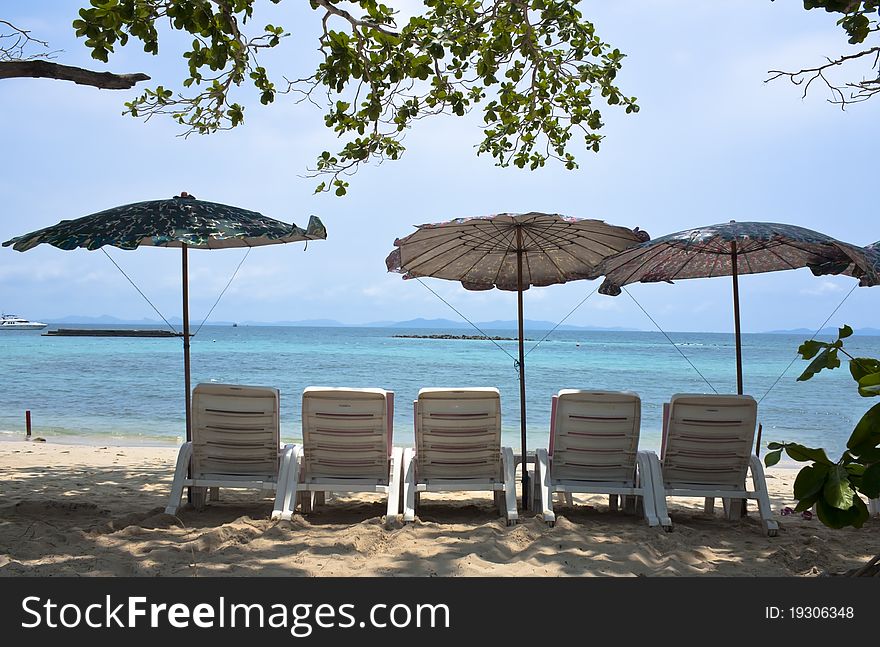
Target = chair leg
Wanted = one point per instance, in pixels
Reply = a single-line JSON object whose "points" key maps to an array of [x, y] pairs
{"points": [[199, 497], [709, 505], [319, 498], [288, 478], [409, 484], [733, 508], [542, 459], [771, 527], [612, 502], [394, 471], [214, 494], [509, 467]]}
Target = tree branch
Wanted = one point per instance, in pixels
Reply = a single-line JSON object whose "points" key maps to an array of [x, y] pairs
{"points": [[80, 76], [860, 91], [342, 13]]}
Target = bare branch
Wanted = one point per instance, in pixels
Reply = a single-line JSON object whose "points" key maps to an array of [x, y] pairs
{"points": [[80, 76], [12, 45], [858, 91]]}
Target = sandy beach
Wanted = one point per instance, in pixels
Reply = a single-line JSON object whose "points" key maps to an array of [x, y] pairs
{"points": [[82, 510]]}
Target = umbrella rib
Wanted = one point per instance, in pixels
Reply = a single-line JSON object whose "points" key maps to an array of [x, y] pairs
{"points": [[438, 252], [688, 259], [580, 236], [559, 271], [452, 239], [771, 251], [427, 235], [603, 250], [412, 267], [658, 250], [830, 255], [712, 274]]}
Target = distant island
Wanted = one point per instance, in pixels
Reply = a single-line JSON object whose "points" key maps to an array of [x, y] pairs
{"points": [[459, 337]]}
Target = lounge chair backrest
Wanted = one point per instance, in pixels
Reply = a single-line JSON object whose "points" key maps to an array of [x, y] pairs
{"points": [[595, 435], [235, 431], [346, 432], [458, 434], [709, 439]]}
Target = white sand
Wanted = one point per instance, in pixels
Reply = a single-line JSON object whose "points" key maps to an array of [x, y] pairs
{"points": [[98, 510]]}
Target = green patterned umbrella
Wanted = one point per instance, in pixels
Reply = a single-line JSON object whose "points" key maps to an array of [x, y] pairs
{"points": [[181, 221]]}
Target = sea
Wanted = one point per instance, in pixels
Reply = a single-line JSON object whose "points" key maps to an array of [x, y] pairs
{"points": [[130, 390]]}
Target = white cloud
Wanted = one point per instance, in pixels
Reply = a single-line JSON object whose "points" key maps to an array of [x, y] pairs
{"points": [[822, 288]]}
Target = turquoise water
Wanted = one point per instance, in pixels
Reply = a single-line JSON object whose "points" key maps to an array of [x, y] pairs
{"points": [[130, 389]]}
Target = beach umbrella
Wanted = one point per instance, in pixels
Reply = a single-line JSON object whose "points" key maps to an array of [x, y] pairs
{"points": [[181, 221], [729, 249], [863, 263], [510, 251]]}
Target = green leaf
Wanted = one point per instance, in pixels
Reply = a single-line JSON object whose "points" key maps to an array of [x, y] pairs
{"points": [[869, 386], [838, 491], [859, 367], [808, 349], [771, 458], [775, 445], [826, 359], [801, 453], [833, 517], [870, 485], [810, 481], [867, 432], [844, 332], [808, 502], [870, 455]]}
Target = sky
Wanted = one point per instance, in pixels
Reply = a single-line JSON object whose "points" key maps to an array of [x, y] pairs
{"points": [[712, 142]]}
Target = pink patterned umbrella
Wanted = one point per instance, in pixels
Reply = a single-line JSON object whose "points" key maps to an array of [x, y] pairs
{"points": [[731, 249]]}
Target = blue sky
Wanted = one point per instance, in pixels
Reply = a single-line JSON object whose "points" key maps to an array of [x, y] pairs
{"points": [[711, 143]]}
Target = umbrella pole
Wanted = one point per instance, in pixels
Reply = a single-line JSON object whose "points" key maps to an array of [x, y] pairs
{"points": [[186, 372], [737, 331], [522, 368]]}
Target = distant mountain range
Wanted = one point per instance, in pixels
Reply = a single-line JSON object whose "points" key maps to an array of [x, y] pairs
{"points": [[432, 324], [439, 324]]}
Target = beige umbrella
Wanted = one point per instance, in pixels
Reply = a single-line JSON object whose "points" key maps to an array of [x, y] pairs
{"points": [[511, 251]]}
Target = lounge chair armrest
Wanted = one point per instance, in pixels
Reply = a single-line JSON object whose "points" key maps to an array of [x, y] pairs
{"points": [[288, 478], [651, 476], [180, 470], [771, 526]]}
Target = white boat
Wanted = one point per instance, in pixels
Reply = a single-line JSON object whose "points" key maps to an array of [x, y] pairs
{"points": [[14, 322]]}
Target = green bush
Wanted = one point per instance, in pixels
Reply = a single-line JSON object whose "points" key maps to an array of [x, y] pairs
{"points": [[834, 487]]}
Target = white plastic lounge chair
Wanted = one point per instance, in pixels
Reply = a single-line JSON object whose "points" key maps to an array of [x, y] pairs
{"points": [[707, 449], [458, 448], [235, 443], [594, 438], [347, 447]]}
